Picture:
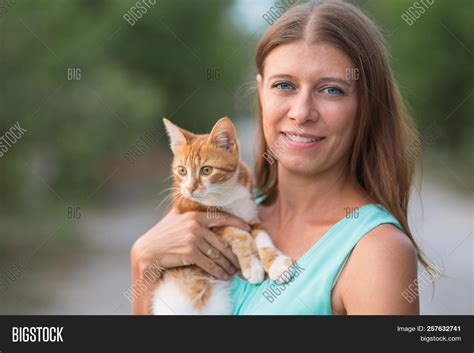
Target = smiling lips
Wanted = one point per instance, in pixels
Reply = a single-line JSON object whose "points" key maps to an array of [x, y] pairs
{"points": [[301, 140]]}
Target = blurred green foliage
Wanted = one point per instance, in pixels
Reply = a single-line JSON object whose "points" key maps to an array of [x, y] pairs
{"points": [[132, 76], [129, 78], [432, 57]]}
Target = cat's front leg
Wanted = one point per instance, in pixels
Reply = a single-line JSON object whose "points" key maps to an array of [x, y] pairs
{"points": [[243, 246], [276, 264]]}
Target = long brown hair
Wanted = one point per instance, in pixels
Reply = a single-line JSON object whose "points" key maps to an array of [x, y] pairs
{"points": [[380, 159]]}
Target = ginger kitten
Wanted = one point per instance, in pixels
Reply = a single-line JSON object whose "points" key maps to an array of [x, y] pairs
{"points": [[208, 173]]}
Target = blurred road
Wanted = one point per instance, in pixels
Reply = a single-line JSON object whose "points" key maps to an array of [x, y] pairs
{"points": [[93, 282]]}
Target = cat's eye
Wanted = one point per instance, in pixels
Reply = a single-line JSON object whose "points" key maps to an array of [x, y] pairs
{"points": [[206, 170], [181, 170]]}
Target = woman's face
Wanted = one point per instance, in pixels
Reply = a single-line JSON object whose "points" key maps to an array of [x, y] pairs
{"points": [[309, 106]]}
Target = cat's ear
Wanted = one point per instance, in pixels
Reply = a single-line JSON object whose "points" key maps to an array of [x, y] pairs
{"points": [[178, 136], [223, 134]]}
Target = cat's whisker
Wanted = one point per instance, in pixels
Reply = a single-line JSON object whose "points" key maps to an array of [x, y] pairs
{"points": [[170, 198], [174, 199], [169, 177], [223, 188], [172, 188], [167, 198], [213, 198], [159, 207], [213, 193]]}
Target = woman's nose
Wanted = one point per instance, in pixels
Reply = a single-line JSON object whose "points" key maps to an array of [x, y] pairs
{"points": [[303, 108]]}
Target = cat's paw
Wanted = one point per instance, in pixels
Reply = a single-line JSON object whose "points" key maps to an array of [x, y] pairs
{"points": [[255, 273], [281, 270]]}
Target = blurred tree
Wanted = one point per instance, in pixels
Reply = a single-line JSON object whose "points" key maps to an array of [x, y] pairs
{"points": [[86, 84], [184, 60], [432, 56]]}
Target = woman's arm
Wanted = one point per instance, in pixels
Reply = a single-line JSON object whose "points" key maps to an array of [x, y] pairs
{"points": [[179, 240], [380, 272], [140, 301]]}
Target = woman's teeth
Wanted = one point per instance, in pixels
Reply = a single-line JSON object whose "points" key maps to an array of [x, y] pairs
{"points": [[296, 138]]}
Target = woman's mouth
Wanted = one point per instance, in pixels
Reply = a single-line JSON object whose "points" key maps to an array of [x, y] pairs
{"points": [[300, 140]]}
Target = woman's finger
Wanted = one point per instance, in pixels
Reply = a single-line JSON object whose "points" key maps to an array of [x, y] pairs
{"points": [[210, 266], [215, 255], [223, 219], [223, 246]]}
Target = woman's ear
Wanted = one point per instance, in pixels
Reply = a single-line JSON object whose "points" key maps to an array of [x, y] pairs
{"points": [[259, 85]]}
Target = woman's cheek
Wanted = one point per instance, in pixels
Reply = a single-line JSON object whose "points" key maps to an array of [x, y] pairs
{"points": [[273, 108], [269, 132], [273, 112], [341, 117], [340, 121]]}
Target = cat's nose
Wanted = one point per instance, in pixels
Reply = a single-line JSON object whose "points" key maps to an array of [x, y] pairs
{"points": [[191, 189]]}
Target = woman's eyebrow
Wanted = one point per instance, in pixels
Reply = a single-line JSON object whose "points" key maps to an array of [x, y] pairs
{"points": [[320, 80], [282, 76], [336, 79]]}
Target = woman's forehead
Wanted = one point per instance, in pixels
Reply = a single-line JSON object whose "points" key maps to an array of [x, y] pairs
{"points": [[300, 59]]}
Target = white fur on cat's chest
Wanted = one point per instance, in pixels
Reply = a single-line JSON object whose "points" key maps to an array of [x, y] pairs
{"points": [[237, 201], [244, 208]]}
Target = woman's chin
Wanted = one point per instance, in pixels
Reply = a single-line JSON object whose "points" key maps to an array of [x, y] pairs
{"points": [[301, 166]]}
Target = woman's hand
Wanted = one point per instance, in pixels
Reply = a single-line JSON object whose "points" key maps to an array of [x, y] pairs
{"points": [[185, 239], [178, 240]]}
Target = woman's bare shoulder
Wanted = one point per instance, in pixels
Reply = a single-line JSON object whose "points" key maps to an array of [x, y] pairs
{"points": [[381, 267], [384, 240]]}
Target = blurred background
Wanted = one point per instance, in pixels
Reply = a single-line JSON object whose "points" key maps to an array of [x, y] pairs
{"points": [[84, 85]]}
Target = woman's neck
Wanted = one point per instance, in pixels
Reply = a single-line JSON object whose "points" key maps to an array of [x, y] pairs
{"points": [[330, 193]]}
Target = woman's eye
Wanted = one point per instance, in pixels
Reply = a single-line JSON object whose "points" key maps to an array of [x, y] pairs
{"points": [[206, 170], [283, 86], [333, 91], [182, 171]]}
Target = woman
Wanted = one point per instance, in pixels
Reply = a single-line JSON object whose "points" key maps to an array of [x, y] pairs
{"points": [[333, 175]]}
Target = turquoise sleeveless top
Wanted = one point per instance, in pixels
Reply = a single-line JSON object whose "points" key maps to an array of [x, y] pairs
{"points": [[309, 292]]}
